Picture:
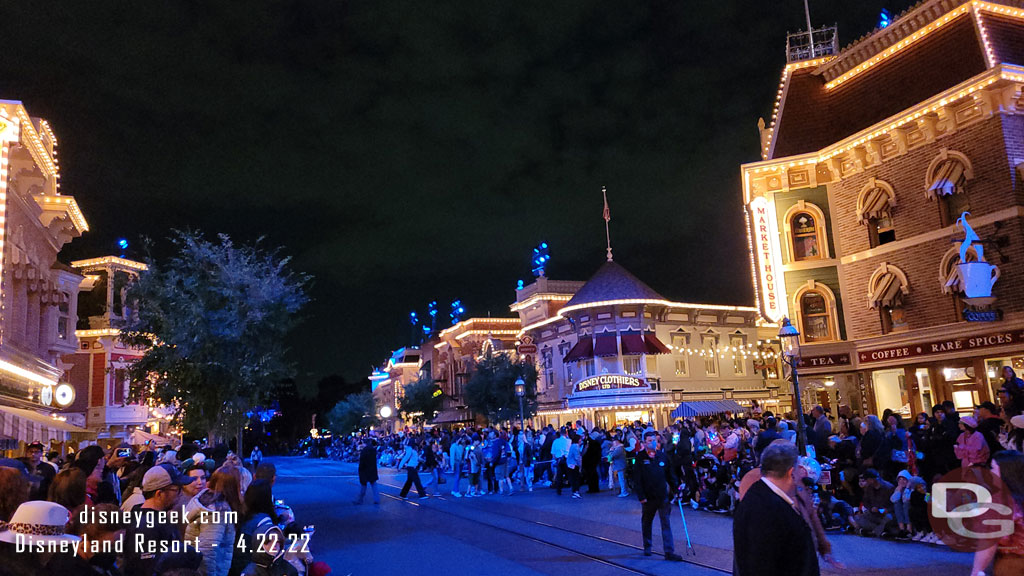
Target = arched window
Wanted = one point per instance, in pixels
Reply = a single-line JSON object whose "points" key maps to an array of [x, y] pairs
{"points": [[815, 306], [886, 289], [804, 225], [946, 181], [874, 210]]}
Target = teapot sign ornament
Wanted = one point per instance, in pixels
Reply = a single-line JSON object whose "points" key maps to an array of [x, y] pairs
{"points": [[976, 278]]}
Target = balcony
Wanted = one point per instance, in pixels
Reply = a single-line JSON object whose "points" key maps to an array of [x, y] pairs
{"points": [[103, 416]]}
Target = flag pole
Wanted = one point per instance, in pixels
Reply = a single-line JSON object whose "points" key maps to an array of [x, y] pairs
{"points": [[810, 31], [607, 218]]}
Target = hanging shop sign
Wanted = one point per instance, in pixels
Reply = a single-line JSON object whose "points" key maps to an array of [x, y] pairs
{"points": [[825, 361], [768, 256], [946, 346], [610, 382]]}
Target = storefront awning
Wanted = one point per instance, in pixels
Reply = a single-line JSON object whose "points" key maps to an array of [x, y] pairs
{"points": [[887, 291], [452, 416], [606, 345], [139, 437], [31, 426], [654, 346], [705, 408], [583, 350], [949, 179], [633, 344]]}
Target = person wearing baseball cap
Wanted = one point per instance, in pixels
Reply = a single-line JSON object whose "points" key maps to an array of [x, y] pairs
{"points": [[161, 486], [41, 474], [989, 424]]}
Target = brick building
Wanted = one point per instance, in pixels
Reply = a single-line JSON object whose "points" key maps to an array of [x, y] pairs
{"points": [[871, 155]]}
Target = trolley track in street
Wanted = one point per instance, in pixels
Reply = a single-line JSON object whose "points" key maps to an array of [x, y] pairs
{"points": [[592, 557]]}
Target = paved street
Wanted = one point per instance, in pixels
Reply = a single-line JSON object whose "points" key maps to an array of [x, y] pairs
{"points": [[536, 533]]}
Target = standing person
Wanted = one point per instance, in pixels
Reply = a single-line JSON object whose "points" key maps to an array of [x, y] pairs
{"points": [[990, 425], [40, 473], [1008, 554], [617, 469], [368, 471], [574, 465], [970, 447], [591, 460], [209, 522], [822, 428], [256, 456], [160, 486], [457, 457], [524, 450], [559, 451], [770, 537], [410, 461], [655, 482]]}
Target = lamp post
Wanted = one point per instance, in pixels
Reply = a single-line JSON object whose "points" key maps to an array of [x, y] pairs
{"points": [[385, 413], [789, 336], [520, 392]]}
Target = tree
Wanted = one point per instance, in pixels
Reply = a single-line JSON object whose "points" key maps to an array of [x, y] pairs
{"points": [[356, 412], [422, 400], [212, 320], [491, 388]]}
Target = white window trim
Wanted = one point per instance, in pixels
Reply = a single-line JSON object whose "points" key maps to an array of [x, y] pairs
{"points": [[830, 302]]}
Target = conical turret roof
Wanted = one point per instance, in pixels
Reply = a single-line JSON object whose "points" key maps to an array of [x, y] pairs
{"points": [[612, 282]]}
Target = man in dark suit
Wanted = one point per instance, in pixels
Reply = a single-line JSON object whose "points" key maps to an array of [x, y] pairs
{"points": [[654, 485], [770, 538]]}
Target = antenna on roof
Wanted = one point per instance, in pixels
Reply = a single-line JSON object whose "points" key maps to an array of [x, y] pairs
{"points": [[607, 218]]}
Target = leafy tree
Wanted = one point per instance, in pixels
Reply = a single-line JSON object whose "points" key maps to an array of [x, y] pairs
{"points": [[491, 388], [355, 412], [212, 320], [422, 400]]}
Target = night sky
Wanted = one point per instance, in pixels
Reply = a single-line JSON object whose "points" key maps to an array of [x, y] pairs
{"points": [[404, 151]]}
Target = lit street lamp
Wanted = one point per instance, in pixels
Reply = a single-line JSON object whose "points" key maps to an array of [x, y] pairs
{"points": [[790, 338], [385, 413], [520, 392]]}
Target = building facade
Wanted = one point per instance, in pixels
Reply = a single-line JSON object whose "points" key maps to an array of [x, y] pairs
{"points": [[38, 295], [98, 369], [613, 350], [871, 156]]}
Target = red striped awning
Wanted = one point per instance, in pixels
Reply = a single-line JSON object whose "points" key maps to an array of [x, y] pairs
{"points": [[583, 350], [606, 345], [654, 346], [633, 344]]}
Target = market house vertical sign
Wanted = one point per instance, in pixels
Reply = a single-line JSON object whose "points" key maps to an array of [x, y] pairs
{"points": [[768, 255]]}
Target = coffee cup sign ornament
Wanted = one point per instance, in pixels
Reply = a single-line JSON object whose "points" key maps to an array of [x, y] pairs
{"points": [[976, 278], [64, 394]]}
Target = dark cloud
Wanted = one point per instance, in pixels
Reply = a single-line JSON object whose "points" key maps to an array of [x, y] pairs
{"points": [[404, 151]]}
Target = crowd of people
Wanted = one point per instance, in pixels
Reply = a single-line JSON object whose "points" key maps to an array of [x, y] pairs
{"points": [[865, 474], [190, 511]]}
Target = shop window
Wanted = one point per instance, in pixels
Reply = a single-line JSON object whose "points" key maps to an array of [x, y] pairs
{"points": [[946, 182], [874, 210], [738, 344], [805, 236], [631, 365], [815, 318], [709, 345], [587, 367]]}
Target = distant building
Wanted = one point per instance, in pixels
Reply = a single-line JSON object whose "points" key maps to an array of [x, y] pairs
{"points": [[38, 295], [613, 350], [98, 370], [387, 382], [870, 156]]}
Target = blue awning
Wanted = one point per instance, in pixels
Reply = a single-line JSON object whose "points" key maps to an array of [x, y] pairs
{"points": [[706, 407]]}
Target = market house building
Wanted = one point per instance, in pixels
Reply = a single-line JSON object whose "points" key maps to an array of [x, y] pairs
{"points": [[870, 156], [613, 350], [38, 294], [387, 382]]}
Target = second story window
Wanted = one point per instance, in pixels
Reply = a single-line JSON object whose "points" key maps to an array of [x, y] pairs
{"points": [[738, 344], [805, 236], [631, 365], [874, 210], [816, 309], [947, 183], [709, 345], [64, 326]]}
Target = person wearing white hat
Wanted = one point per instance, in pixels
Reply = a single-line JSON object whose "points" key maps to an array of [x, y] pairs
{"points": [[36, 529], [160, 486], [971, 448]]}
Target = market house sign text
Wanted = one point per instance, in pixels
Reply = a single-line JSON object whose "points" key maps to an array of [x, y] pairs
{"points": [[769, 260], [609, 382], [941, 346]]}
